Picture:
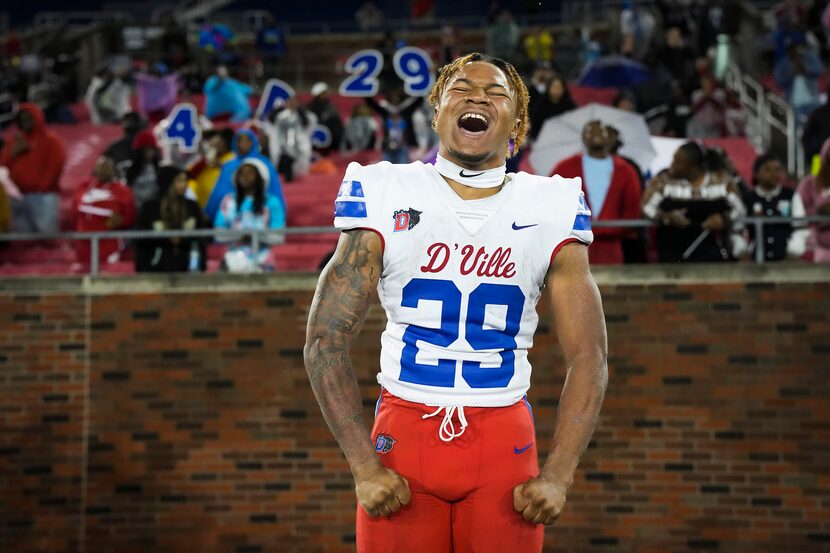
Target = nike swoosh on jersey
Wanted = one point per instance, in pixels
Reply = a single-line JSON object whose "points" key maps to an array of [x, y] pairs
{"points": [[520, 227], [461, 174], [518, 451]]}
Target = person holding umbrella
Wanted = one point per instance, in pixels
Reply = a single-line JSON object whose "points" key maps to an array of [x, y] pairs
{"points": [[611, 187]]}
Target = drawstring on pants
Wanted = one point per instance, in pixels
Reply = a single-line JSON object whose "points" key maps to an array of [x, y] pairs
{"points": [[447, 429]]}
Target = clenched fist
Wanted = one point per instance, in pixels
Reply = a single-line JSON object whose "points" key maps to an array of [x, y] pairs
{"points": [[539, 501], [382, 492]]}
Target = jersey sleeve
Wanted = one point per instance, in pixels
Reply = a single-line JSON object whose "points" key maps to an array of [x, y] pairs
{"points": [[581, 228], [357, 202]]}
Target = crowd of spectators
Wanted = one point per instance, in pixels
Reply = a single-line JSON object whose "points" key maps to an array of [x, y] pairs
{"points": [[697, 203], [235, 178]]}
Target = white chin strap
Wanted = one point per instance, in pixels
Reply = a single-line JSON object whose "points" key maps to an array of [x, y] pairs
{"points": [[489, 178]]}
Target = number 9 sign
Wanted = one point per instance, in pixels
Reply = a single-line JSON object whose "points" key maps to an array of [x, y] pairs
{"points": [[414, 67]]}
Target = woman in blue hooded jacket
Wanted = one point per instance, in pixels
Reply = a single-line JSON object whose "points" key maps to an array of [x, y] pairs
{"points": [[246, 146]]}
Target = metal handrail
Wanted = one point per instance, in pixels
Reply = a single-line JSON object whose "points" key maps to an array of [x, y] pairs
{"points": [[789, 122], [259, 236], [782, 119]]}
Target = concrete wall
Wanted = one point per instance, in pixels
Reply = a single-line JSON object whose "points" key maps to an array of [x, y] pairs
{"points": [[156, 414]]}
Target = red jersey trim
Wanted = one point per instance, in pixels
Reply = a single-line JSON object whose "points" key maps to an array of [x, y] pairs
{"points": [[376, 231], [564, 242]]}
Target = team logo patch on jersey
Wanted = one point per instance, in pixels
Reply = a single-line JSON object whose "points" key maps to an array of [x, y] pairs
{"points": [[405, 219], [384, 443]]}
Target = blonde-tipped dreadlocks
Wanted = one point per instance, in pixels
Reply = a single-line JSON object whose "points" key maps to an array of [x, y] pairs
{"points": [[516, 83]]}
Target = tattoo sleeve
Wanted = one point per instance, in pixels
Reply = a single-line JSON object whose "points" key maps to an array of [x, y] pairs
{"points": [[337, 313]]}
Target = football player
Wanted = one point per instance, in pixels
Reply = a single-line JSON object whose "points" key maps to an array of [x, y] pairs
{"points": [[460, 253]]}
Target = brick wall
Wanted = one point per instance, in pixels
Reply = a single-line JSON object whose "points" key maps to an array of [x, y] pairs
{"points": [[183, 421]]}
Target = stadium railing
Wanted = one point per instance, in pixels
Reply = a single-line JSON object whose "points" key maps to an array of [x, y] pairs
{"points": [[776, 120], [258, 237]]}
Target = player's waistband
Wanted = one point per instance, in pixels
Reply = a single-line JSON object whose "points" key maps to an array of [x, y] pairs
{"points": [[455, 417], [423, 409]]}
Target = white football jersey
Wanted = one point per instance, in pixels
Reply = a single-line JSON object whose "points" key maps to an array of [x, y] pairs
{"points": [[460, 278]]}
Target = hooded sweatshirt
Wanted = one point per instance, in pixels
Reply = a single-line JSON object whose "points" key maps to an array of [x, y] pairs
{"points": [[242, 216], [38, 169], [93, 205], [225, 186]]}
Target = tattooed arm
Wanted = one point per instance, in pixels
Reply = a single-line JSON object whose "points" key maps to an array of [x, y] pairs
{"points": [[336, 317]]}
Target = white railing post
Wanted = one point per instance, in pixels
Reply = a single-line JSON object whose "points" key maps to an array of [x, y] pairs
{"points": [[759, 241]]}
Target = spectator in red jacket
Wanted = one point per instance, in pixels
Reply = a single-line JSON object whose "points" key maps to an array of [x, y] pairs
{"points": [[612, 190], [35, 158], [103, 203]]}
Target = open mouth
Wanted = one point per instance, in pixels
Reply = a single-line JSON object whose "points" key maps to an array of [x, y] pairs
{"points": [[473, 122]]}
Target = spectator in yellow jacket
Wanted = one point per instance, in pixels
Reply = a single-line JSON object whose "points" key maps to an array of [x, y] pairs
{"points": [[205, 173]]}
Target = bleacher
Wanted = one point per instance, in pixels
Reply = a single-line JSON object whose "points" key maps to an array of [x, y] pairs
{"points": [[309, 58], [308, 199]]}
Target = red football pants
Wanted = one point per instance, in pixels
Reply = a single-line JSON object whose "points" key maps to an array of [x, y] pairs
{"points": [[462, 491]]}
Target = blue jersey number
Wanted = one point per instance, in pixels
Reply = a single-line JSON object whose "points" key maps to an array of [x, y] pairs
{"points": [[414, 67], [479, 338], [363, 68], [183, 128]]}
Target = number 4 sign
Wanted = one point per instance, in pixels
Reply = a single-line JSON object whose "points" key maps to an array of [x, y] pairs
{"points": [[183, 129]]}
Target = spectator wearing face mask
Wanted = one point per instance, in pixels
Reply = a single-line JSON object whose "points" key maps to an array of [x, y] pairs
{"points": [[103, 203], [35, 158]]}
